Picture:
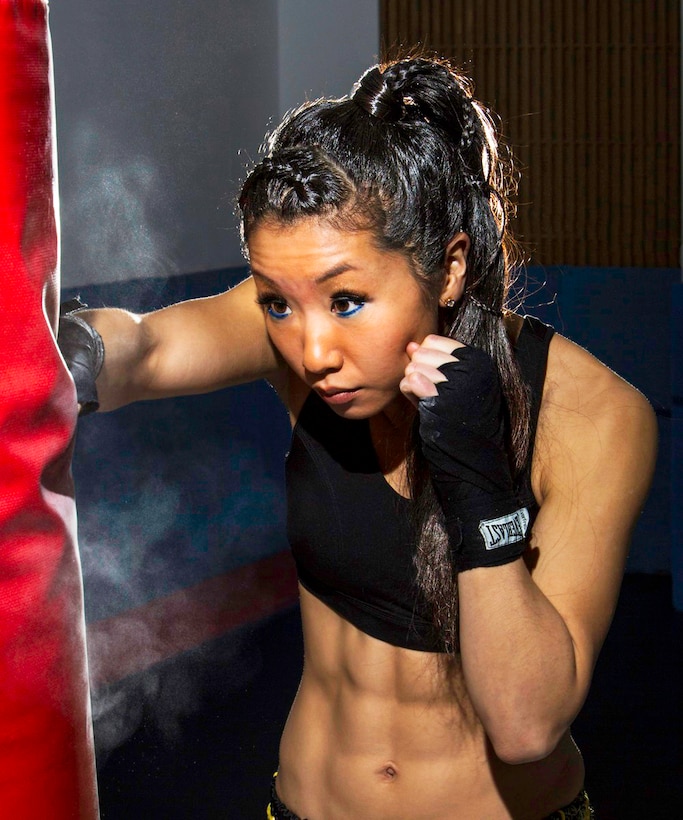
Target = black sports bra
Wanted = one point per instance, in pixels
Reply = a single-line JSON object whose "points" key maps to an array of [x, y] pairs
{"points": [[350, 531]]}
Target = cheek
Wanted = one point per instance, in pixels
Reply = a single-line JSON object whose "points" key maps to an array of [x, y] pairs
{"points": [[384, 353], [386, 357], [397, 336]]}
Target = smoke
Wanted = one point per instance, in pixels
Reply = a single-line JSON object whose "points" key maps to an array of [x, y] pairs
{"points": [[117, 538], [160, 699], [117, 713], [110, 212], [161, 512]]}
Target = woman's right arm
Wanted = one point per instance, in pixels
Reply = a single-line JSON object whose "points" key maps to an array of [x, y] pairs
{"points": [[190, 347]]}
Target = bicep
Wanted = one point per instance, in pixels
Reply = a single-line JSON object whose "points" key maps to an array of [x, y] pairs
{"points": [[206, 344], [191, 347], [597, 464]]}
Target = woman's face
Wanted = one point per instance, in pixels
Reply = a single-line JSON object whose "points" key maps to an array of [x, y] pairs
{"points": [[340, 311]]}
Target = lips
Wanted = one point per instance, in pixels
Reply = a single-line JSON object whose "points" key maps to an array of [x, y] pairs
{"points": [[337, 395]]}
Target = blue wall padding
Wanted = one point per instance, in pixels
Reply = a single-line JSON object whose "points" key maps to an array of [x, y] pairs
{"points": [[622, 316], [677, 443], [175, 491]]}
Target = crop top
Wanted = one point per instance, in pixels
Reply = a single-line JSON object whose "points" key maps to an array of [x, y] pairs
{"points": [[351, 533]]}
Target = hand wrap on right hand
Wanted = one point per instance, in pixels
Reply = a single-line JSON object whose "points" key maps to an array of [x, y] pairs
{"points": [[463, 439], [83, 351]]}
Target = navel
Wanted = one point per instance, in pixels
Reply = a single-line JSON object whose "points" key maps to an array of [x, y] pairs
{"points": [[388, 772]]}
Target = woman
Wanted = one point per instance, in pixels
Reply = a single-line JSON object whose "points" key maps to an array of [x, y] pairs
{"points": [[462, 482]]}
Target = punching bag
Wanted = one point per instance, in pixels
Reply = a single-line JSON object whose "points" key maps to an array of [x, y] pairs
{"points": [[47, 769]]}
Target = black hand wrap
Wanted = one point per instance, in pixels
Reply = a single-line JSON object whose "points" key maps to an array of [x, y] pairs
{"points": [[463, 439], [83, 351]]}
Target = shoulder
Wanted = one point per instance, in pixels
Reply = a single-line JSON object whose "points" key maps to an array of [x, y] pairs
{"points": [[593, 463], [583, 395], [590, 419]]}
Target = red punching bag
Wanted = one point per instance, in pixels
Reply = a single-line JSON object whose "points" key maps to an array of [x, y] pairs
{"points": [[47, 769]]}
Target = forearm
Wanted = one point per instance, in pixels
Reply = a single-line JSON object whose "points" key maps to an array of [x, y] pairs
{"points": [[519, 661], [518, 655]]}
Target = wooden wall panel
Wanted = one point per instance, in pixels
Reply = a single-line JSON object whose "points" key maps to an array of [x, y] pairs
{"points": [[589, 95]]}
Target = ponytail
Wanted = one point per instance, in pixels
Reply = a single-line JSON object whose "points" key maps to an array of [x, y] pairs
{"points": [[414, 157]]}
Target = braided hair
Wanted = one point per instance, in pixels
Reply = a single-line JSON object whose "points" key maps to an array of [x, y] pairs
{"points": [[413, 157]]}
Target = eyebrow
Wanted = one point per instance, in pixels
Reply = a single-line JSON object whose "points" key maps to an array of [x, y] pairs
{"points": [[337, 270]]}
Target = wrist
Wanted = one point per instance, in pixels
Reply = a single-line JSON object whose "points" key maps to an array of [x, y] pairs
{"points": [[483, 529], [83, 351]]}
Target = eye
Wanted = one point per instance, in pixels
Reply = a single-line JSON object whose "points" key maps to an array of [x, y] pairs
{"points": [[278, 310], [346, 304], [275, 308]]}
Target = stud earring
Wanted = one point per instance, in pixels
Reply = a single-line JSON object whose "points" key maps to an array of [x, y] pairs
{"points": [[448, 303]]}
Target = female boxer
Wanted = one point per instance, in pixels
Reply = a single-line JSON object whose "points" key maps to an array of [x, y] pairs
{"points": [[462, 482]]}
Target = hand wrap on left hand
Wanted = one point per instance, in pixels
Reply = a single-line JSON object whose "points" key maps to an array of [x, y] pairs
{"points": [[83, 351], [463, 439]]}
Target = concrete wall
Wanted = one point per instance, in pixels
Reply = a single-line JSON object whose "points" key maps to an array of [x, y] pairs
{"points": [[324, 47], [162, 104], [154, 102]]}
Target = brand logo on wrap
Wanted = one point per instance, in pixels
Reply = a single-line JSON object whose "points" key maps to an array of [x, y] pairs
{"points": [[499, 532]]}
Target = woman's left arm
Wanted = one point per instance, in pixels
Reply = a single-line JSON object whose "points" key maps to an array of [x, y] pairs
{"points": [[529, 642], [529, 639]]}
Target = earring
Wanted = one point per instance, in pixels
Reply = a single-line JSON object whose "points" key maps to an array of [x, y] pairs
{"points": [[448, 303]]}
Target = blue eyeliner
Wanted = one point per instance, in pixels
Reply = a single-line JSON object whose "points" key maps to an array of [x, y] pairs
{"points": [[357, 301]]}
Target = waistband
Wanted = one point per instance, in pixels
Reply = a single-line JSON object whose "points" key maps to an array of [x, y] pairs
{"points": [[276, 809], [579, 809]]}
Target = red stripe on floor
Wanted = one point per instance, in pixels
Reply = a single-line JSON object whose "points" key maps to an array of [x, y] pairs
{"points": [[136, 639]]}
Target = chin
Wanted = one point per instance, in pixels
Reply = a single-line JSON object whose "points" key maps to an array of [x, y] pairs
{"points": [[353, 412], [359, 409]]}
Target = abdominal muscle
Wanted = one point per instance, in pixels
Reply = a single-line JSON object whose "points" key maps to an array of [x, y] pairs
{"points": [[377, 732]]}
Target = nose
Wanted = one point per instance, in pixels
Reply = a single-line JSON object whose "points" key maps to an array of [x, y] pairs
{"points": [[321, 352]]}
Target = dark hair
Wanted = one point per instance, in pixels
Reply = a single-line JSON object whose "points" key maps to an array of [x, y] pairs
{"points": [[413, 157]]}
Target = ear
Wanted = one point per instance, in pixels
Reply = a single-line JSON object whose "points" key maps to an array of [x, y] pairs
{"points": [[455, 269]]}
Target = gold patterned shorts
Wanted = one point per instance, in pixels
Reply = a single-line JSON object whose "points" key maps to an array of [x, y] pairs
{"points": [[579, 809]]}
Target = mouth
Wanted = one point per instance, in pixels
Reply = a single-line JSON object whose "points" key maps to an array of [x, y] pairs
{"points": [[337, 396]]}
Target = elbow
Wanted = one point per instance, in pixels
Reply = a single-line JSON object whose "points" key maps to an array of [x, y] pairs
{"points": [[525, 744], [521, 732]]}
